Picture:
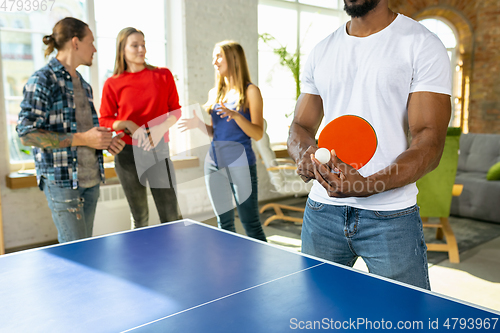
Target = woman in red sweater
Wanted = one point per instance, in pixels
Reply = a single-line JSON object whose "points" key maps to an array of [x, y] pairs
{"points": [[142, 101]]}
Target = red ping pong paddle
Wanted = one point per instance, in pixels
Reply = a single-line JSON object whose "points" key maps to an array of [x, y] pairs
{"points": [[353, 139]]}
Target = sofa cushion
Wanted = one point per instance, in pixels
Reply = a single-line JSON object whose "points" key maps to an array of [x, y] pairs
{"points": [[479, 198], [480, 176], [478, 152], [494, 172]]}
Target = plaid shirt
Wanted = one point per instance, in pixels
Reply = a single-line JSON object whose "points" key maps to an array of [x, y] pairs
{"points": [[49, 104]]}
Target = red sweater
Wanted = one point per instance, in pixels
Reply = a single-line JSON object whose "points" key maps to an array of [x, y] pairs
{"points": [[144, 97]]}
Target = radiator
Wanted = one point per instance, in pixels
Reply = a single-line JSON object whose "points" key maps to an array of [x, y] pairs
{"points": [[113, 213]]}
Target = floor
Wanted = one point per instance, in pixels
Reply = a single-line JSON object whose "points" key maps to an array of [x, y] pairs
{"points": [[475, 280]]}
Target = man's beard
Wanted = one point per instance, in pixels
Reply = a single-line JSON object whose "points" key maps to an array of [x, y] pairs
{"points": [[361, 10]]}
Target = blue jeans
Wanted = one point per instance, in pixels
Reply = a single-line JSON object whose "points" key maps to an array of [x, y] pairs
{"points": [[240, 182], [390, 242], [73, 210]]}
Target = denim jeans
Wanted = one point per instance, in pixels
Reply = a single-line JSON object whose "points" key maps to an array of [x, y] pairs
{"points": [[390, 242], [161, 181], [73, 210], [240, 182]]}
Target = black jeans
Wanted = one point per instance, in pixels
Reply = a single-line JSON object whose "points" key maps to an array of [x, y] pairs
{"points": [[133, 171]]}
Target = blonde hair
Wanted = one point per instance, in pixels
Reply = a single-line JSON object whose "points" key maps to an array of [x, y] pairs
{"points": [[121, 42], [237, 70]]}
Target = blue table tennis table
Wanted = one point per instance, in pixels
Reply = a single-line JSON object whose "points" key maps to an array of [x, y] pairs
{"points": [[186, 276]]}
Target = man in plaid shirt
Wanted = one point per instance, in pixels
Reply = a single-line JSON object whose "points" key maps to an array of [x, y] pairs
{"points": [[59, 120]]}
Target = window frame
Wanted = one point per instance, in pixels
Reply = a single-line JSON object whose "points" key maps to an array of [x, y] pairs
{"points": [[89, 18], [301, 8], [456, 71], [29, 165]]}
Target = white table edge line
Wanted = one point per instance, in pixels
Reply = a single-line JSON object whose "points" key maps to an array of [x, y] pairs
{"points": [[223, 297], [430, 292]]}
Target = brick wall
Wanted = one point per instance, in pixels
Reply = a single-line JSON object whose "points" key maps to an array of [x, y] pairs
{"points": [[478, 26]]}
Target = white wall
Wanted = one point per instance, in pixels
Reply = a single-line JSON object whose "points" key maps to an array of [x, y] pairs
{"points": [[209, 22], [27, 219]]}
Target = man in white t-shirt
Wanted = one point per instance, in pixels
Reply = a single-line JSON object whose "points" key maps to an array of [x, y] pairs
{"points": [[394, 73]]}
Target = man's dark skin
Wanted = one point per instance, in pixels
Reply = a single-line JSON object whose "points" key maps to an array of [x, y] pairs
{"points": [[428, 117]]}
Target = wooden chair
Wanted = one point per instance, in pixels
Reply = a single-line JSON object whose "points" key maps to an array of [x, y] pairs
{"points": [[435, 193], [444, 229], [283, 176], [286, 164]]}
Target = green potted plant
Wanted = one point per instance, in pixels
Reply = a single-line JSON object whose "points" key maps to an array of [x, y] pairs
{"points": [[287, 59]]}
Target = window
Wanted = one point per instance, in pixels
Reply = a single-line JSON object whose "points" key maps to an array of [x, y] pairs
{"points": [[21, 35], [448, 36], [151, 22], [307, 23], [113, 15], [22, 49]]}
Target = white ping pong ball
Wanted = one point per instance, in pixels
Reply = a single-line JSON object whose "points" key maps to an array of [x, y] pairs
{"points": [[322, 155]]}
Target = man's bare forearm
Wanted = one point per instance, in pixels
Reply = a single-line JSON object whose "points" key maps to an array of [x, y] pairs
{"points": [[47, 140], [305, 124], [422, 157], [428, 117], [299, 140]]}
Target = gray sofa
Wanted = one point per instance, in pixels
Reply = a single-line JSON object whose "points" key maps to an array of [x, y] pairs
{"points": [[480, 198]]}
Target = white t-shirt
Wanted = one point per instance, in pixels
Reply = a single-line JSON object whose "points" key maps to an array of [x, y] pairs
{"points": [[372, 77]]}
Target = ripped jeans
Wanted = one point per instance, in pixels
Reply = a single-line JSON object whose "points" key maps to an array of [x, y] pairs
{"points": [[73, 211]]}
